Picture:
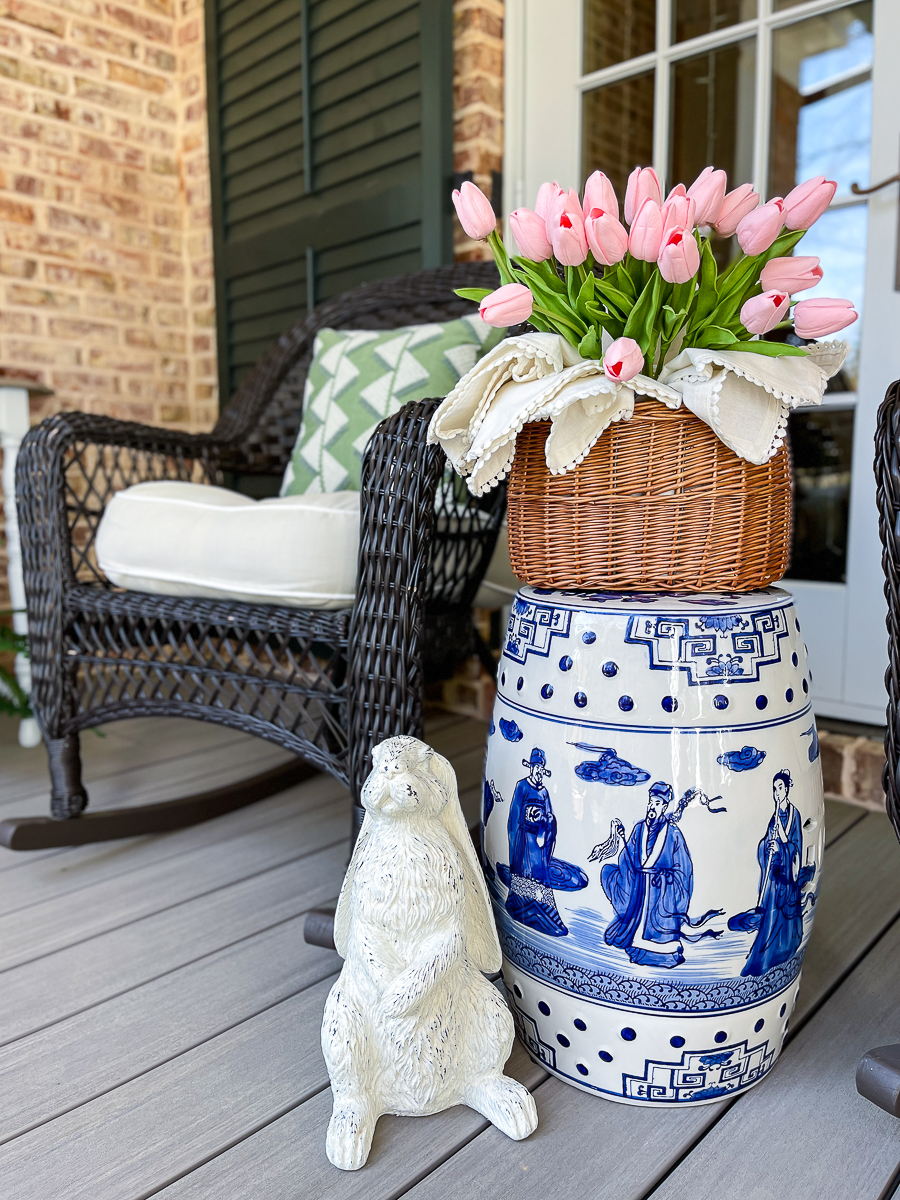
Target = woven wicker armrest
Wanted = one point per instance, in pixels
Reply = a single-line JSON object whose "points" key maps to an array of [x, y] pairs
{"points": [[399, 480]]}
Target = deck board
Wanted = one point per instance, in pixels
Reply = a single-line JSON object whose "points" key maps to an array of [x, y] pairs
{"points": [[159, 1032]]}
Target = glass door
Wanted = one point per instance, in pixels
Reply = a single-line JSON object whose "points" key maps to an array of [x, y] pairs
{"points": [[772, 92]]}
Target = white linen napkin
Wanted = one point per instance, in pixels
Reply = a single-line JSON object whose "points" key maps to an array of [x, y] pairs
{"points": [[745, 398]]}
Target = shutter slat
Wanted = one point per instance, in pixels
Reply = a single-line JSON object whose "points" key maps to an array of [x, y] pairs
{"points": [[248, 20], [254, 154]]}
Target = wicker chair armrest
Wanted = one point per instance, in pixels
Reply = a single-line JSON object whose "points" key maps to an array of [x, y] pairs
{"points": [[67, 470], [400, 476]]}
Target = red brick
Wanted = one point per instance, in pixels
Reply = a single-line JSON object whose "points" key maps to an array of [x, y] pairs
{"points": [[108, 97], [160, 59], [114, 360], [58, 110], [84, 381], [104, 39], [16, 322], [123, 73], [12, 210], [161, 112], [32, 14], [18, 293], [65, 327], [64, 54], [75, 222], [47, 353], [146, 27], [174, 414], [42, 243], [19, 268]]}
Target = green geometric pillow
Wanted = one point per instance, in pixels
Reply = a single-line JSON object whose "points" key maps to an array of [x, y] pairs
{"points": [[358, 377]]}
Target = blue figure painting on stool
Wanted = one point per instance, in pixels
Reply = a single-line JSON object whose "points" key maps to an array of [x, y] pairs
{"points": [[650, 886], [533, 874], [777, 918]]}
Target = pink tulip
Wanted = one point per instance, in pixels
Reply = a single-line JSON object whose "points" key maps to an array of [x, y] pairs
{"points": [[678, 190], [530, 232], [623, 360], [643, 184], [646, 234], [758, 230], [565, 227], [606, 237], [474, 211], [805, 204], [509, 305], [708, 193], [816, 318], [791, 274], [600, 193], [678, 212], [762, 313], [679, 258], [734, 208], [548, 193]]}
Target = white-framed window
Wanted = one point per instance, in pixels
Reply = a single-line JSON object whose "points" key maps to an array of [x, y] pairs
{"points": [[773, 92]]}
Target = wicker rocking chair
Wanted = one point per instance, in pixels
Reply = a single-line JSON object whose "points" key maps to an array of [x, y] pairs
{"points": [[326, 685]]}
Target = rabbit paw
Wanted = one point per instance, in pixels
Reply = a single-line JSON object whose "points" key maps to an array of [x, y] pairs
{"points": [[349, 1136], [506, 1104]]}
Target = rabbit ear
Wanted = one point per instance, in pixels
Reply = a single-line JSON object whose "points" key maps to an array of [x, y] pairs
{"points": [[482, 945], [342, 912]]}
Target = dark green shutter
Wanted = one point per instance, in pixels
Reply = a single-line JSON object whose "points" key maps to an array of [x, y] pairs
{"points": [[330, 155]]}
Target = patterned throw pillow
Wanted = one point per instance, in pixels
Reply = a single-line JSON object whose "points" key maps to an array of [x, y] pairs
{"points": [[358, 377]]}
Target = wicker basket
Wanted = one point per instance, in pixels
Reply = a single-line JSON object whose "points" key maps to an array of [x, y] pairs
{"points": [[659, 504]]}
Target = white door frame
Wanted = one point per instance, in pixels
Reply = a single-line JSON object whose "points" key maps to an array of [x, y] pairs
{"points": [[843, 623]]}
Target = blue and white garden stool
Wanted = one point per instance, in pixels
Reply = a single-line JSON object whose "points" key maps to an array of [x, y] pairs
{"points": [[653, 833]]}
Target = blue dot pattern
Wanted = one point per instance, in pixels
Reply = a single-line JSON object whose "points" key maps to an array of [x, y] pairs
{"points": [[565, 663], [794, 659], [677, 1042], [628, 1034], [720, 702], [669, 703], [610, 669], [562, 1039], [626, 703], [581, 1068], [789, 695], [721, 1036], [762, 701], [605, 1055], [589, 638], [579, 1024], [545, 1008], [758, 1026], [580, 699], [805, 687], [519, 684], [547, 691]]}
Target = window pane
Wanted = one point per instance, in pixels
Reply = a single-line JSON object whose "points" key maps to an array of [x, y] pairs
{"points": [[712, 113], [691, 18], [822, 100], [617, 129], [616, 30], [839, 240], [821, 445]]}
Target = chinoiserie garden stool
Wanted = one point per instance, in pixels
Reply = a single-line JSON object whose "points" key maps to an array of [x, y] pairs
{"points": [[652, 836]]}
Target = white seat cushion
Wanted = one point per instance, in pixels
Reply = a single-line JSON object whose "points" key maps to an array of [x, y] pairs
{"points": [[188, 539]]}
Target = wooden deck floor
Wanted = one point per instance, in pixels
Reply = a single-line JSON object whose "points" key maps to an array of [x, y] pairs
{"points": [[159, 1017]]}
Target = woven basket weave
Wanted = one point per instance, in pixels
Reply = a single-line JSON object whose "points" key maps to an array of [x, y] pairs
{"points": [[659, 504]]}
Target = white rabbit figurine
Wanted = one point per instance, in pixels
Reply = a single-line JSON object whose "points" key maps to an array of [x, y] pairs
{"points": [[412, 1026]]}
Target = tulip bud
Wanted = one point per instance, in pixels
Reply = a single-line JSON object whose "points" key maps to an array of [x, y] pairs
{"points": [[565, 226], [678, 212], [819, 317], [530, 232], [758, 230], [791, 274], [734, 208], [679, 258], [548, 194], [708, 193], [600, 193], [508, 305], [474, 211], [643, 184], [805, 204], [762, 313], [606, 237], [623, 360], [645, 237]]}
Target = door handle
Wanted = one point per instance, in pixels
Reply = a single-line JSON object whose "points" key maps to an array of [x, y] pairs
{"points": [[858, 191]]}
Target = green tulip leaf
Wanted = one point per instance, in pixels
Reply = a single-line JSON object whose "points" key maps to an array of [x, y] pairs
{"points": [[767, 349], [642, 319], [713, 335], [589, 346], [476, 294]]}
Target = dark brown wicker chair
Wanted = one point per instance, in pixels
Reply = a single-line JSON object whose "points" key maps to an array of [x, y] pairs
{"points": [[326, 685]]}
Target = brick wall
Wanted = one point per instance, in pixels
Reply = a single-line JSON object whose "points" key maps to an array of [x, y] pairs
{"points": [[106, 289], [477, 103]]}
